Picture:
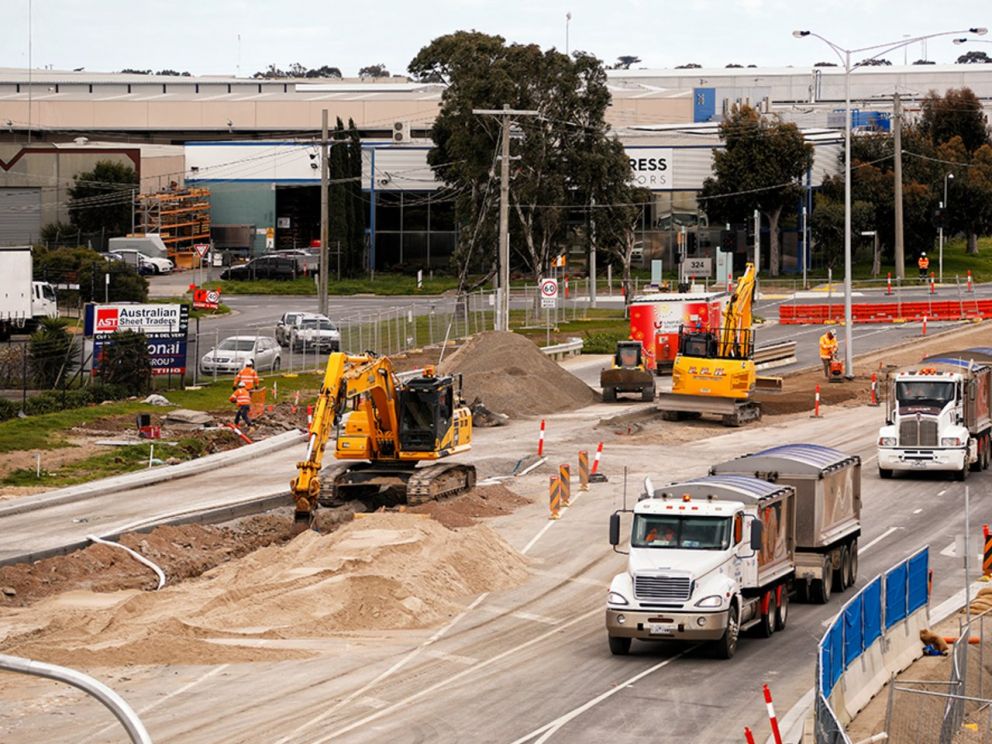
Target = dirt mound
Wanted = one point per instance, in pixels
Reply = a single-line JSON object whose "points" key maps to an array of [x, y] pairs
{"points": [[465, 510], [385, 571], [510, 375]]}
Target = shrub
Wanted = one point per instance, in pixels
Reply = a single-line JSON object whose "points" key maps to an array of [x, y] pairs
{"points": [[8, 409], [50, 348], [125, 362]]}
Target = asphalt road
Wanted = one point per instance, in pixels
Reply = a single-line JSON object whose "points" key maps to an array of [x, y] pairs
{"points": [[529, 664]]}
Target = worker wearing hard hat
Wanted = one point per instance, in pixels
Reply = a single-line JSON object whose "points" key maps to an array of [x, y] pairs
{"points": [[828, 347], [242, 399], [924, 264], [248, 376]]}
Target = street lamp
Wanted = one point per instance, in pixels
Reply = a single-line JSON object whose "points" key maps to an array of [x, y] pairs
{"points": [[844, 55], [940, 227]]}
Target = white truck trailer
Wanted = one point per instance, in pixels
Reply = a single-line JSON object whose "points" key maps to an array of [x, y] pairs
{"points": [[937, 416], [715, 556], [23, 301]]}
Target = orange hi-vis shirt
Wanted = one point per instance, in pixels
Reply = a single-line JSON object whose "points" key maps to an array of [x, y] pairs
{"points": [[241, 397], [827, 346], [923, 263], [248, 376]]}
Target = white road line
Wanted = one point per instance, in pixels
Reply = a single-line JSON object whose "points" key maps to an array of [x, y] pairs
{"points": [[383, 675], [189, 685], [545, 528], [550, 729], [455, 677], [869, 459], [864, 548], [917, 511], [941, 493], [949, 551]]}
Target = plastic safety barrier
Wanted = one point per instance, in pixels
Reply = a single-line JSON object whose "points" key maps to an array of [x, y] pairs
{"points": [[885, 312]]}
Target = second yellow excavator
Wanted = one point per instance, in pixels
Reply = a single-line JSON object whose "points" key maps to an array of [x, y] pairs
{"points": [[386, 428], [714, 371]]}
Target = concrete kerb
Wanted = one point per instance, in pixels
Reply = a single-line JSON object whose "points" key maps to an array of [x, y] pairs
{"points": [[152, 475], [792, 722]]}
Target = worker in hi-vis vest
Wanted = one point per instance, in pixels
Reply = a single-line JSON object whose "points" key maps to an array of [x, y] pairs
{"points": [[828, 347]]}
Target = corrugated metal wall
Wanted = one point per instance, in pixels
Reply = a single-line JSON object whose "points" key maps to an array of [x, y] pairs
{"points": [[20, 216]]}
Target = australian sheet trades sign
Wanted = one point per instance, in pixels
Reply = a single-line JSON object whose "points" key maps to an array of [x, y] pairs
{"points": [[164, 326]]}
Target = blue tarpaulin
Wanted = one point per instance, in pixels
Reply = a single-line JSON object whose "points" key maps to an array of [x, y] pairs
{"points": [[871, 598], [853, 631], [918, 566], [895, 594]]}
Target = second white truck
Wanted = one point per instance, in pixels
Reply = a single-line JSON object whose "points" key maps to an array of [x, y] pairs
{"points": [[712, 557], [23, 301]]}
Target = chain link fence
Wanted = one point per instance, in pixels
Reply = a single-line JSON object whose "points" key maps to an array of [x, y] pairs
{"points": [[951, 708]]}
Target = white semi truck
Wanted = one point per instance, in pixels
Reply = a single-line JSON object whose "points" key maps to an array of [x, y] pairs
{"points": [[23, 301], [937, 415], [718, 555]]}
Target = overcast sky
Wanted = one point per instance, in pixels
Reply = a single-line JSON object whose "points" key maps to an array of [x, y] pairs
{"points": [[202, 35]]}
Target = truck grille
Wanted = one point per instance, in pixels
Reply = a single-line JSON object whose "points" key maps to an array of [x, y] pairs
{"points": [[918, 433], [664, 588]]}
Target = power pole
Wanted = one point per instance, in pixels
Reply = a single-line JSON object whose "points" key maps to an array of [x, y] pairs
{"points": [[506, 115], [324, 227], [897, 142]]}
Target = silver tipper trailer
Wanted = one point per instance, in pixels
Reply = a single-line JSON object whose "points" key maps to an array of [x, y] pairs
{"points": [[828, 510]]}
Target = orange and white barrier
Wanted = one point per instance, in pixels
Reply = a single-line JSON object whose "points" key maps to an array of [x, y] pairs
{"points": [[888, 284], [540, 441], [771, 714], [816, 404], [595, 461], [933, 287], [565, 477], [583, 470], [309, 416], [987, 552], [924, 325], [748, 736], [874, 389], [554, 497], [969, 281]]}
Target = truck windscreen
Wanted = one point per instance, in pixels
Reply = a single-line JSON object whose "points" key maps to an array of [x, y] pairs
{"points": [[687, 533], [924, 394]]}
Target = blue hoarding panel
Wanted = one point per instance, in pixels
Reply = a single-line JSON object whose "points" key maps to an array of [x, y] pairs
{"points": [[853, 631], [871, 598], [836, 652], [825, 667], [895, 595], [918, 570]]}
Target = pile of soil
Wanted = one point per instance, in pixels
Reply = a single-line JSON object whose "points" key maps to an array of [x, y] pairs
{"points": [[182, 552], [510, 375], [464, 511], [386, 571]]}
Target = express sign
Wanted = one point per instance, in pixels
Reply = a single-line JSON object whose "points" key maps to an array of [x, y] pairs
{"points": [[651, 166]]}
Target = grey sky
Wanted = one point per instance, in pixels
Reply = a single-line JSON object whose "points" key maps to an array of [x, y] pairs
{"points": [[201, 36]]}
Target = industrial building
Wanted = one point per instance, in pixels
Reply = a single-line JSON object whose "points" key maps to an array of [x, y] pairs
{"points": [[248, 142]]}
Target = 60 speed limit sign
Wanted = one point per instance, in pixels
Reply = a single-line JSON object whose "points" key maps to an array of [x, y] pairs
{"points": [[549, 292]]}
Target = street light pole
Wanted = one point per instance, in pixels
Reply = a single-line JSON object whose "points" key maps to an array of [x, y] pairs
{"points": [[940, 228], [844, 55]]}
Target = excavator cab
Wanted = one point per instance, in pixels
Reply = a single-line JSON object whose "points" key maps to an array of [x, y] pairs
{"points": [[426, 407], [629, 355]]}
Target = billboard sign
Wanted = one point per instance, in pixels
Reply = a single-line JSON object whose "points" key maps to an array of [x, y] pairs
{"points": [[152, 320], [651, 166]]}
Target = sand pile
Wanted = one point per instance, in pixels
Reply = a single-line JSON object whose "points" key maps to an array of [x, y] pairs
{"points": [[510, 375], [465, 510], [383, 572]]}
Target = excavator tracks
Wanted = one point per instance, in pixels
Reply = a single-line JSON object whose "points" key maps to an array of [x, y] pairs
{"points": [[390, 485]]}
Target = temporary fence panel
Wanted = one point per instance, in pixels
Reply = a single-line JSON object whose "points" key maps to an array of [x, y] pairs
{"points": [[895, 594]]}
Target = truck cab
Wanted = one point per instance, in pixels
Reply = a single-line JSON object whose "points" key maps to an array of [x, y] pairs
{"points": [[708, 558], [937, 418]]}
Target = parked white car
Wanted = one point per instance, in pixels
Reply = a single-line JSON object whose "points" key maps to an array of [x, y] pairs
{"points": [[140, 260], [230, 355], [314, 333], [284, 327]]}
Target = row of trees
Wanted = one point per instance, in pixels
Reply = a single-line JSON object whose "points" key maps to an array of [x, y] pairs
{"points": [[296, 70], [346, 205]]}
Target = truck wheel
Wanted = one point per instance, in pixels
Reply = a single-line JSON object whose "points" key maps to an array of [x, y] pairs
{"points": [[609, 394], [767, 625], [726, 647], [962, 474], [976, 466], [822, 587], [884, 473], [647, 393], [852, 573], [782, 616], [843, 570], [619, 646]]}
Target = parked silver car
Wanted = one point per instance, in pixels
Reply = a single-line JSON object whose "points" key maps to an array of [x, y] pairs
{"points": [[314, 333], [230, 355], [285, 325]]}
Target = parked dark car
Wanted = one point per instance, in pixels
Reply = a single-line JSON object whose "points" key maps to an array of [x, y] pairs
{"points": [[266, 267]]}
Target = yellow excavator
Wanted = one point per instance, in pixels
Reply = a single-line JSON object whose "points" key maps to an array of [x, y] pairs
{"points": [[385, 427], [714, 370]]}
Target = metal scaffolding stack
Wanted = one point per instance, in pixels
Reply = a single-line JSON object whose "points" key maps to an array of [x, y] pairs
{"points": [[182, 219]]}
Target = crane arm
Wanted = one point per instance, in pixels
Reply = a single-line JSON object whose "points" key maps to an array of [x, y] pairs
{"points": [[735, 337], [345, 378]]}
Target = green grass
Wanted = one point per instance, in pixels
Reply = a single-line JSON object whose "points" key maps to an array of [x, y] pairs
{"points": [[600, 330], [50, 430], [383, 284], [115, 461]]}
